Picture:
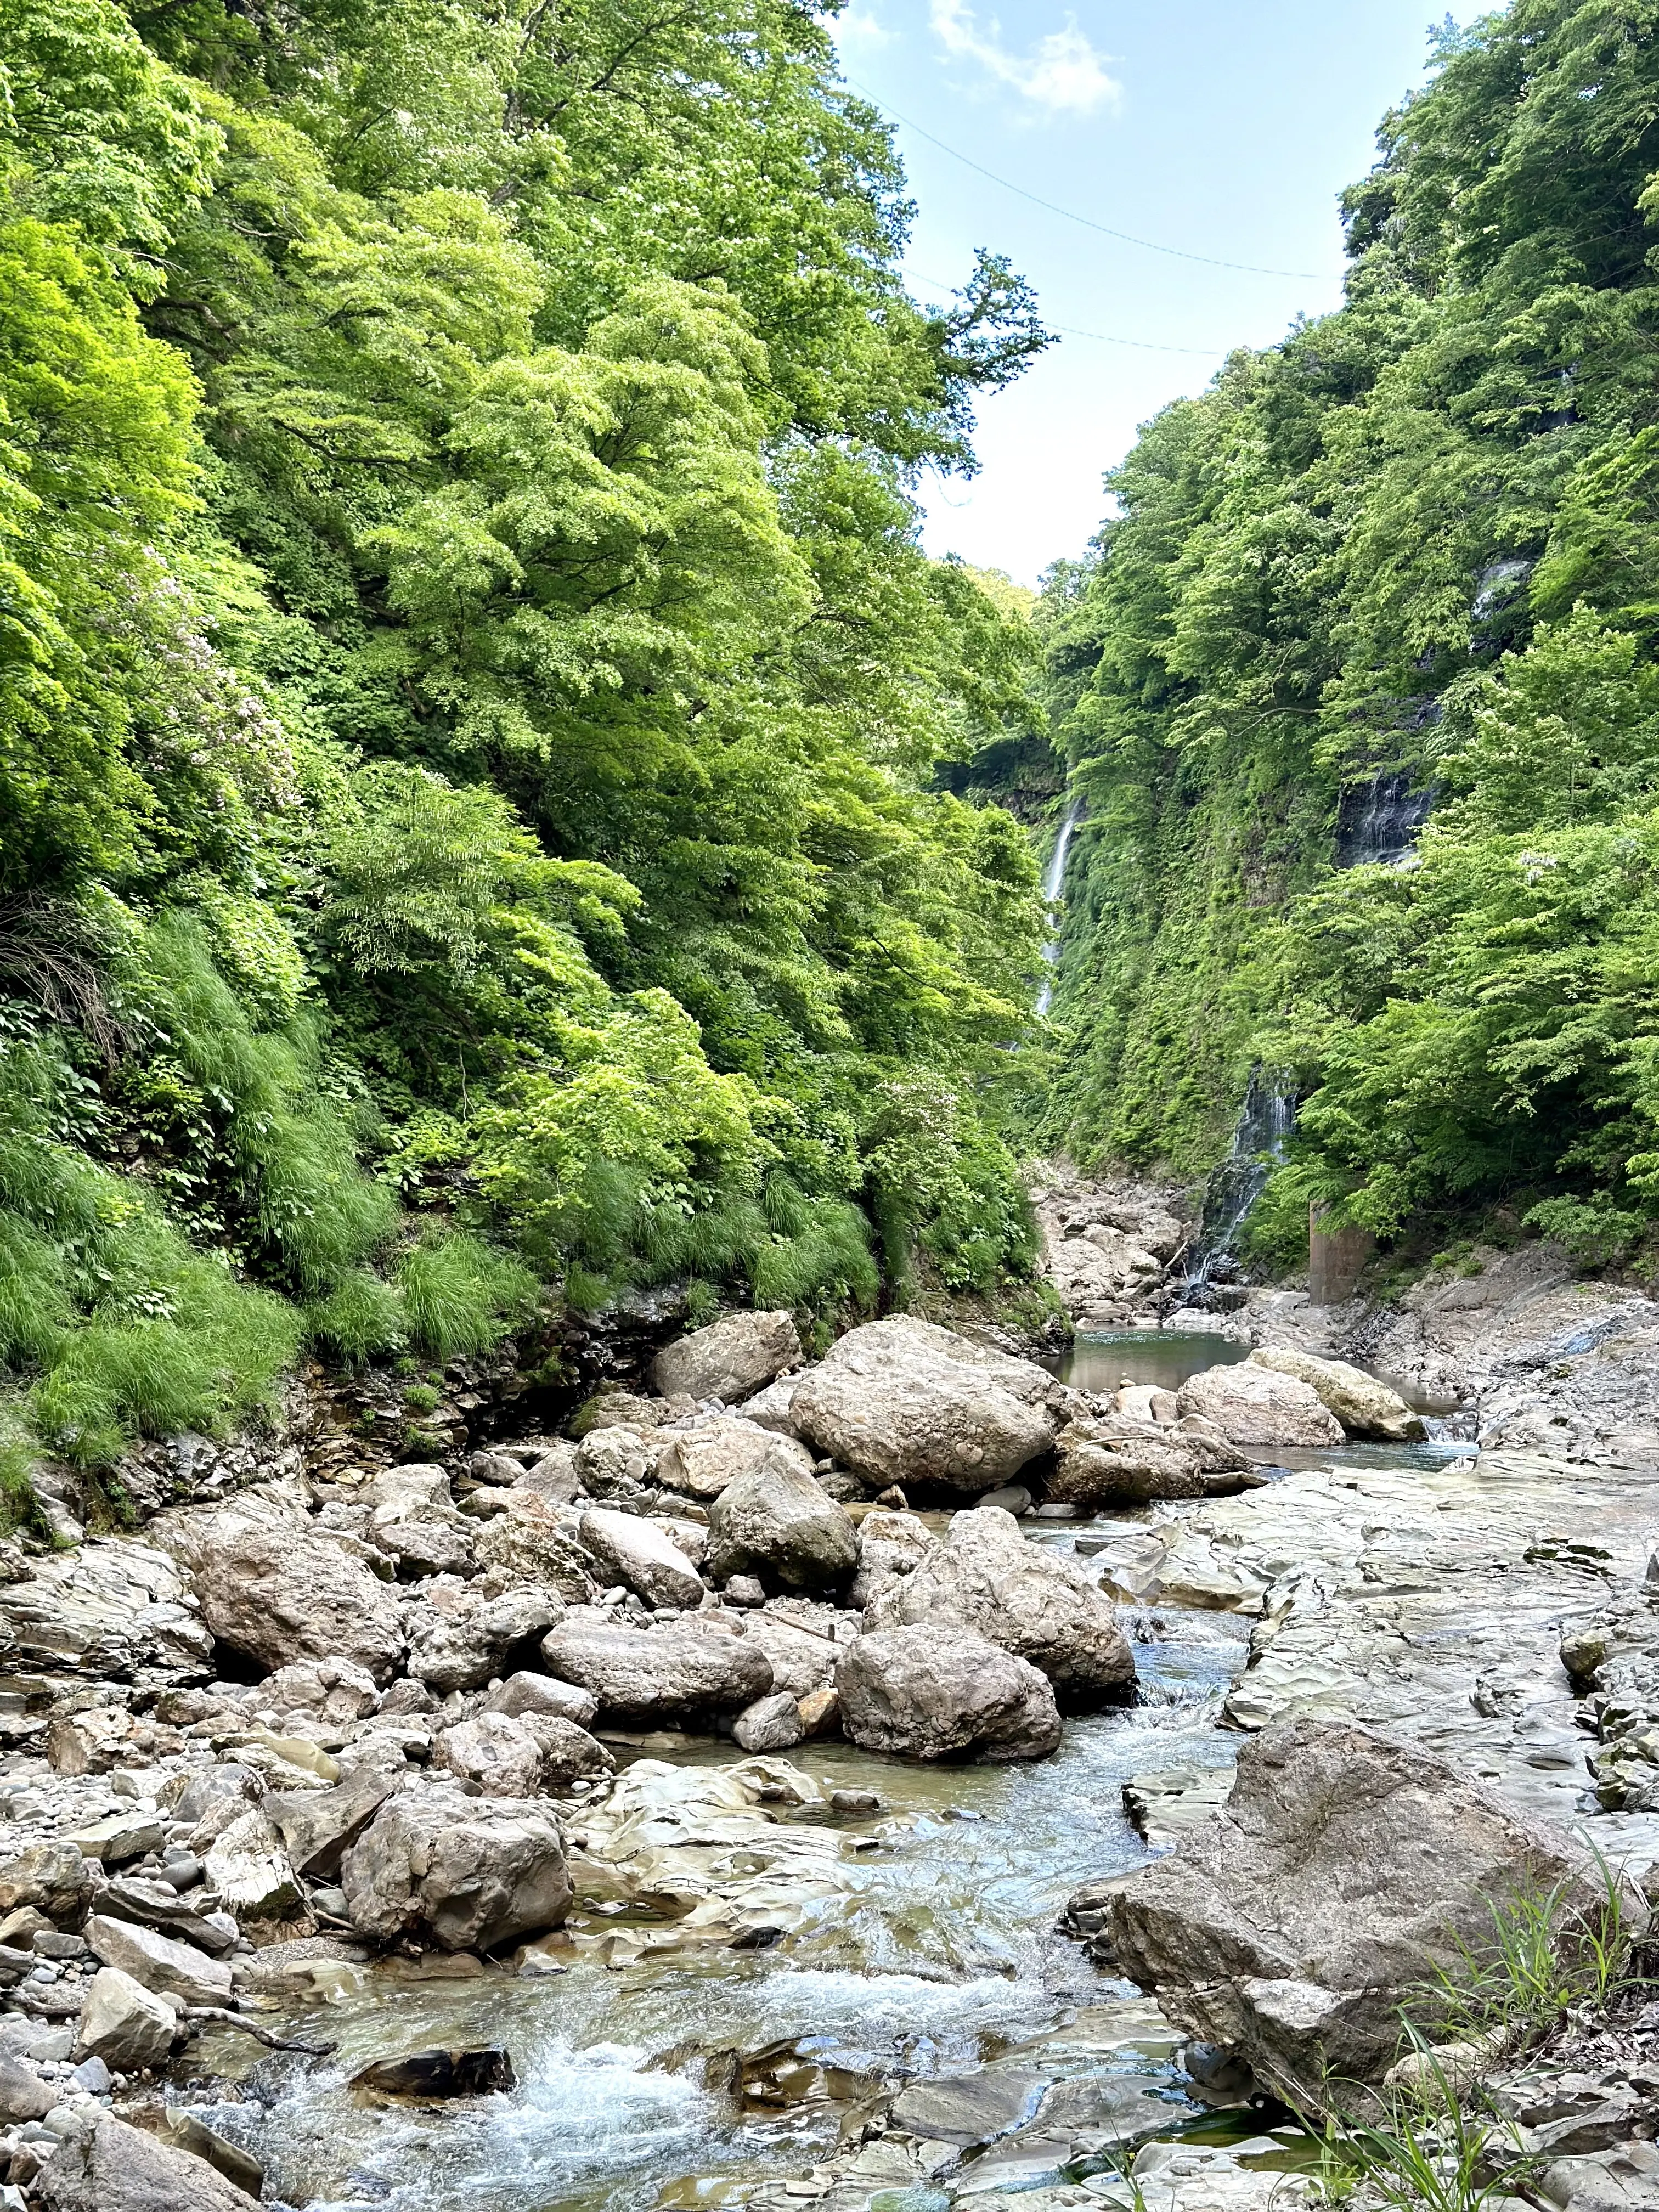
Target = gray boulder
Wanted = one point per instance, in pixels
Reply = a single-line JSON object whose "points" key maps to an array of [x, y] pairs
{"points": [[123, 2023], [902, 1402], [702, 1460], [1338, 1881], [171, 1969], [110, 2167], [249, 1867], [777, 1522], [930, 1692], [530, 1540], [1363, 1405], [316, 1825], [528, 1692], [502, 1755], [55, 1878], [1254, 1404], [333, 1692], [771, 1723], [462, 1635], [771, 1408], [275, 1588], [631, 1549], [472, 1873], [1039, 1604], [1118, 1460], [685, 1666], [112, 1608], [729, 1359]]}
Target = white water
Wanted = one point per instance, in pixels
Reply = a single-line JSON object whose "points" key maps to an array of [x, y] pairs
{"points": [[1053, 883]]}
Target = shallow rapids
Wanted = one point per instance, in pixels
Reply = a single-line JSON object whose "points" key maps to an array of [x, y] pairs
{"points": [[942, 1959]]}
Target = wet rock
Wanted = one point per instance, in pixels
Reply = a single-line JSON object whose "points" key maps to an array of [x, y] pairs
{"points": [[123, 2024], [933, 1692], [1039, 1604], [462, 1635], [1114, 1461], [485, 2072], [902, 1401], [700, 1460], [968, 2108], [634, 1550], [776, 1523], [316, 1825], [110, 2167], [248, 1866], [275, 1590], [1335, 1884], [1255, 1404], [188, 2134], [55, 1878], [730, 1359], [771, 1723], [526, 1693], [683, 1666], [528, 1541], [474, 1872], [170, 1969], [1363, 1405]]}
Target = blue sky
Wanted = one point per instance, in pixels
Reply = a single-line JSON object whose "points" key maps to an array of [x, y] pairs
{"points": [[1217, 127]]}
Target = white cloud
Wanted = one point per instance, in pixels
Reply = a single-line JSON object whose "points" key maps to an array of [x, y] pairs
{"points": [[1065, 72], [861, 27]]}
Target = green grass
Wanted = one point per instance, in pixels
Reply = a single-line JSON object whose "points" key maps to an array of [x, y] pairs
{"points": [[460, 1295]]}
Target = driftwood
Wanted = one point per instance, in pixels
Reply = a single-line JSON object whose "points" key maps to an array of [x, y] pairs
{"points": [[220, 2016]]}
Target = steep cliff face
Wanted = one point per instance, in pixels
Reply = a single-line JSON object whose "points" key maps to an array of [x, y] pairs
{"points": [[1359, 689]]}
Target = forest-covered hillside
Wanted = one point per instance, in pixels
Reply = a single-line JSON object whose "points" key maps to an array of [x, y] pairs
{"points": [[1409, 557], [471, 702]]}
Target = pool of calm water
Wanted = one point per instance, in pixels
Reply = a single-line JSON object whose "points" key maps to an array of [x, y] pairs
{"points": [[944, 1958]]}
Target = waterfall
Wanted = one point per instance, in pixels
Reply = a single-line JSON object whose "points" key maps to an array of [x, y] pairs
{"points": [[1053, 883], [1377, 823], [1264, 1119]]}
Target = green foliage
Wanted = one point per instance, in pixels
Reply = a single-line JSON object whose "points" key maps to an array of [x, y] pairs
{"points": [[1417, 541], [458, 1294], [471, 694]]}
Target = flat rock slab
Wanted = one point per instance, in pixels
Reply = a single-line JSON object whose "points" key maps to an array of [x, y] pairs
{"points": [[969, 2108]]}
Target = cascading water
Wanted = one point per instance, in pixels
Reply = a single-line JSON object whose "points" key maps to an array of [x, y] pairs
{"points": [[1053, 883], [1265, 1119], [1377, 823]]}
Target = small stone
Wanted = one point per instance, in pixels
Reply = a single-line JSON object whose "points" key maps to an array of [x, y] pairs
{"points": [[858, 1803], [122, 1836], [746, 1590], [94, 2076]]}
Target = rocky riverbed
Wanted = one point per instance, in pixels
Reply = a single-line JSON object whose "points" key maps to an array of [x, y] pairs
{"points": [[741, 1796]]}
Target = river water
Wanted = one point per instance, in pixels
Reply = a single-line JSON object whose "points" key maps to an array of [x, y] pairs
{"points": [[939, 1958]]}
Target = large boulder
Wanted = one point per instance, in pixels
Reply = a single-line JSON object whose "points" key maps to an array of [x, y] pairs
{"points": [[531, 1540], [159, 1962], [1254, 1404], [462, 1635], [891, 1546], [110, 2167], [123, 2023], [930, 1691], [503, 1755], [330, 1693], [702, 1460], [1343, 1876], [412, 1517], [472, 1873], [1039, 1604], [1363, 1405], [903, 1402], [528, 1692], [631, 1549], [688, 1666], [776, 1522], [115, 1608], [730, 1359], [250, 1868], [1119, 1461], [274, 1587], [316, 1825]]}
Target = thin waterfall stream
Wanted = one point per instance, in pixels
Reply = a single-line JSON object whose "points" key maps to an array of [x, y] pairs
{"points": [[1053, 885]]}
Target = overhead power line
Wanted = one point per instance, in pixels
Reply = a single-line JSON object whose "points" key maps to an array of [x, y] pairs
{"points": [[1070, 330], [1070, 214]]}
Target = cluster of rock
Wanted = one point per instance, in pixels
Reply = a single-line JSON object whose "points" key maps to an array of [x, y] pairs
{"points": [[421, 1760], [1109, 1247]]}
